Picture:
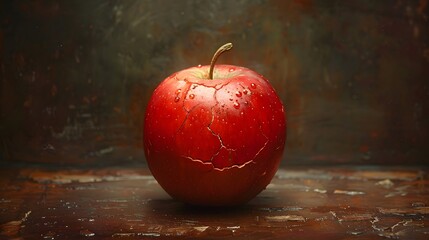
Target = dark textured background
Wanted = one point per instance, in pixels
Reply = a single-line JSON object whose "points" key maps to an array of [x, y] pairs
{"points": [[76, 75]]}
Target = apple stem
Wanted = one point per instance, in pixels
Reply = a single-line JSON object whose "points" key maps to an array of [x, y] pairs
{"points": [[222, 49]]}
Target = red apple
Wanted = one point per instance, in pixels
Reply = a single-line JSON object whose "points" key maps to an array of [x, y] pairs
{"points": [[214, 137]]}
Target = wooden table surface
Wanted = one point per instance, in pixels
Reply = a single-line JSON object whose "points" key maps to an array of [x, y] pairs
{"points": [[300, 203]]}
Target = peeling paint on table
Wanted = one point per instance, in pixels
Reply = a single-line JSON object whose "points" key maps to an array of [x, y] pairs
{"points": [[125, 203]]}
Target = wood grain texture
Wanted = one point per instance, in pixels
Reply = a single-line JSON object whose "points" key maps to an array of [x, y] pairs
{"points": [[300, 203]]}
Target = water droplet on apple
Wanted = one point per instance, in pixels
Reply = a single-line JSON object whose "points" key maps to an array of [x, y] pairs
{"points": [[176, 99], [236, 105], [231, 99], [231, 69], [178, 91], [242, 113], [245, 91], [253, 85], [238, 94], [199, 65], [191, 96]]}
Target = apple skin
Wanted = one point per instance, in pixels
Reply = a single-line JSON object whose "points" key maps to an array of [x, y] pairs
{"points": [[214, 142]]}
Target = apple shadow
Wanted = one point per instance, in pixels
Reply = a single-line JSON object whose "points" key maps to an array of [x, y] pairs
{"points": [[179, 209]]}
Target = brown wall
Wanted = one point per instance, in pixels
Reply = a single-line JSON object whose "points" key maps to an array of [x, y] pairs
{"points": [[76, 75]]}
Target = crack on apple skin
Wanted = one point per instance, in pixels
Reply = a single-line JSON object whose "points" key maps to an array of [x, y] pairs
{"points": [[184, 96], [222, 145], [265, 144], [189, 85], [186, 116], [217, 87], [219, 169]]}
